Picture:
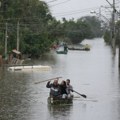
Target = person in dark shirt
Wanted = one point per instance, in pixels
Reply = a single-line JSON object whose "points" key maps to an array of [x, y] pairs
{"points": [[54, 88], [63, 88]]}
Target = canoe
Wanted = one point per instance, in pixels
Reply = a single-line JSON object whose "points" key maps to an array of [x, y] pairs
{"points": [[84, 49], [59, 101], [61, 52], [79, 47]]}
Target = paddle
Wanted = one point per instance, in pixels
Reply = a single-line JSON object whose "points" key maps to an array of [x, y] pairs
{"points": [[47, 80], [80, 94]]}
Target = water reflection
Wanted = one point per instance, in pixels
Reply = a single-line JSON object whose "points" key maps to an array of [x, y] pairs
{"points": [[60, 112]]}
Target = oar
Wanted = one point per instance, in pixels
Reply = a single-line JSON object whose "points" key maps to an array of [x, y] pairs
{"points": [[47, 80], [80, 94]]}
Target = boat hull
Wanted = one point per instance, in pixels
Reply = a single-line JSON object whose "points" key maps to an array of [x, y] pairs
{"points": [[59, 101], [82, 49], [61, 52]]}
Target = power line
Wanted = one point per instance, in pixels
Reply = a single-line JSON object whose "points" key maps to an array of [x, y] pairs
{"points": [[74, 12], [59, 3], [52, 1]]}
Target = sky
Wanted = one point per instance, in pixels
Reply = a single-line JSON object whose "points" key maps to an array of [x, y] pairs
{"points": [[79, 8]]}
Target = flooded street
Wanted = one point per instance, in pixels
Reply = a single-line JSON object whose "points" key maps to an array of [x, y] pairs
{"points": [[93, 73]]}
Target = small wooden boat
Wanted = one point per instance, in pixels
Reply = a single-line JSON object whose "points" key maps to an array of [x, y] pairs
{"points": [[84, 49], [80, 47], [61, 52], [59, 101]]}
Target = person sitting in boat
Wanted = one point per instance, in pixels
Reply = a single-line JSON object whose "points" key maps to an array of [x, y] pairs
{"points": [[63, 88], [69, 88], [54, 88]]}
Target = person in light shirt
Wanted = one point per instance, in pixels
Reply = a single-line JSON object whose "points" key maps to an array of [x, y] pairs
{"points": [[69, 88]]}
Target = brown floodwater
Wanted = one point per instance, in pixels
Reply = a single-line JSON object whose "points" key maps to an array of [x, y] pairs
{"points": [[94, 73]]}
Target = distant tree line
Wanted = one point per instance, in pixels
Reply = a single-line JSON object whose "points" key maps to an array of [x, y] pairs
{"points": [[38, 29]]}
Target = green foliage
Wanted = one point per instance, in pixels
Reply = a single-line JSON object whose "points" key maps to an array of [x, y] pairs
{"points": [[85, 27], [74, 31], [35, 44], [107, 36], [118, 33], [94, 24], [33, 16]]}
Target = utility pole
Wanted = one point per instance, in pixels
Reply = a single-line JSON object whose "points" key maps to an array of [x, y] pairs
{"points": [[18, 40], [113, 29], [119, 48], [6, 36]]}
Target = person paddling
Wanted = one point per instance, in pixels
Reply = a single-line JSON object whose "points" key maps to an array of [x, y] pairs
{"points": [[54, 88]]}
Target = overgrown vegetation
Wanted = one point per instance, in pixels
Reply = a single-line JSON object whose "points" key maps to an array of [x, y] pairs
{"points": [[108, 34]]}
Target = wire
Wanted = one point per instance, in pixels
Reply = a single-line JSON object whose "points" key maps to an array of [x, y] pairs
{"points": [[52, 1], [59, 3], [74, 12]]}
